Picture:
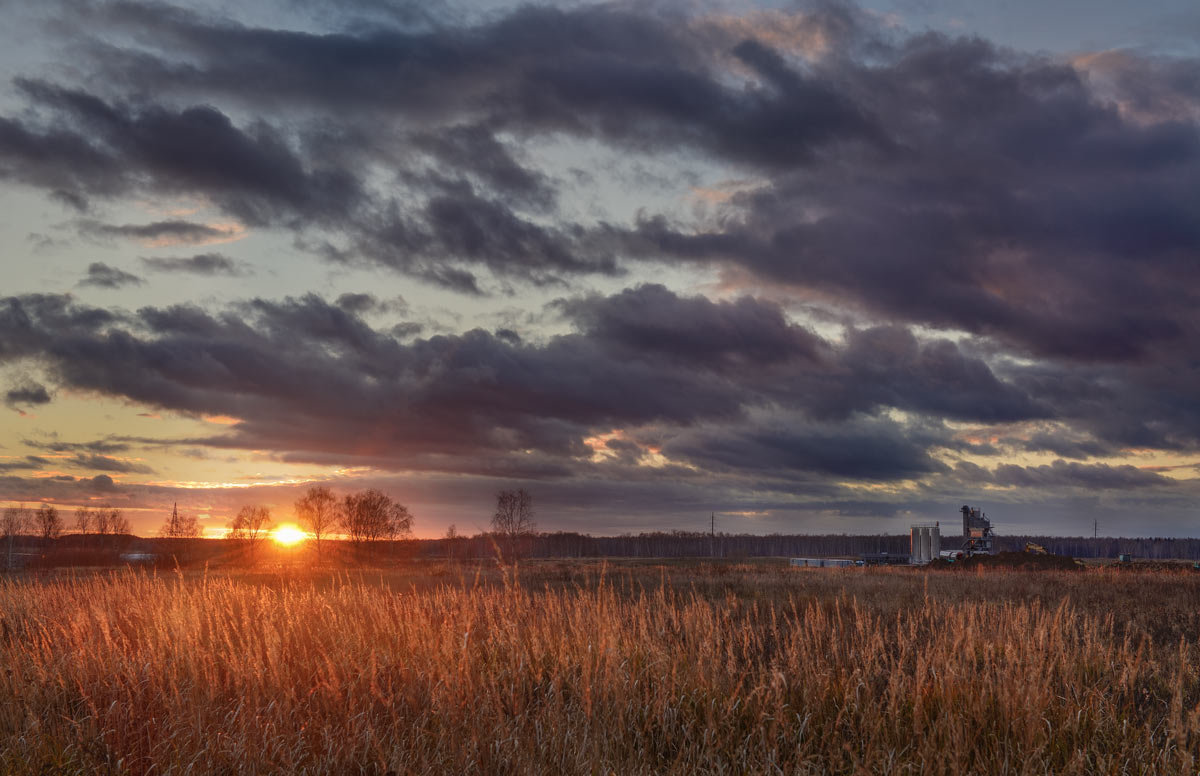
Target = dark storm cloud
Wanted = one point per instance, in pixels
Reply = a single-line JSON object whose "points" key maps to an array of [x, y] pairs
{"points": [[1067, 444], [1009, 239], [253, 173], [431, 105], [876, 450], [101, 483], [1121, 406], [208, 264], [1070, 474], [918, 178], [643, 79], [892, 368], [651, 318], [100, 275], [314, 381], [475, 150], [27, 393], [29, 321], [1021, 207]]}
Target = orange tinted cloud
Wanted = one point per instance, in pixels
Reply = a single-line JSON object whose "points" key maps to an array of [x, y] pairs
{"points": [[221, 420]]}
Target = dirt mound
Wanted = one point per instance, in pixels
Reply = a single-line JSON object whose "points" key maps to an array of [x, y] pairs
{"points": [[1027, 561]]}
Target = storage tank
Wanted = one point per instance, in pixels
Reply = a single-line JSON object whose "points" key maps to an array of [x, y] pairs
{"points": [[925, 542]]}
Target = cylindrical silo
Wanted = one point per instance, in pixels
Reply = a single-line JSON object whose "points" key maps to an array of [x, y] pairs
{"points": [[936, 543]]}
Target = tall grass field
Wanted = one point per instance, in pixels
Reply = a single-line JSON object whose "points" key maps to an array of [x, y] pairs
{"points": [[599, 669]]}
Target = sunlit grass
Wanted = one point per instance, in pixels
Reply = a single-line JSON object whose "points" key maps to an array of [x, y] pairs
{"points": [[643, 671]]}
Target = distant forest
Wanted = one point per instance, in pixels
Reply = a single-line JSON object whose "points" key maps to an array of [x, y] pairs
{"points": [[643, 545], [696, 545]]}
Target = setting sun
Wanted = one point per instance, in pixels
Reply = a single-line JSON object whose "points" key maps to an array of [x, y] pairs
{"points": [[287, 535]]}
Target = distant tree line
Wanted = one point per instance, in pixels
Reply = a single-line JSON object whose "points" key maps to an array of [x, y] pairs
{"points": [[686, 544], [370, 526], [661, 544], [95, 536], [1151, 548], [366, 519]]}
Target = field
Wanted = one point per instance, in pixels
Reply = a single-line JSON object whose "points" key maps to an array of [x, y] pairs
{"points": [[592, 668]]}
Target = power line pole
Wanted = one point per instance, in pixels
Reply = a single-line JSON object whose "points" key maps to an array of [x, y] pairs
{"points": [[1095, 528], [712, 535]]}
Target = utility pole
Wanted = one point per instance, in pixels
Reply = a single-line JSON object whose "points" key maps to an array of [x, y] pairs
{"points": [[712, 536], [1095, 528]]}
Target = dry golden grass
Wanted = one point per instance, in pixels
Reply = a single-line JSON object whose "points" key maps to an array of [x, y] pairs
{"points": [[574, 670]]}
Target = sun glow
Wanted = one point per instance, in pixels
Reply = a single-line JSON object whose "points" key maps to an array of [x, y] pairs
{"points": [[287, 535]]}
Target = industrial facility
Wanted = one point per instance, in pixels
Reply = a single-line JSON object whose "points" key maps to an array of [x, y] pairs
{"points": [[925, 542], [926, 539], [925, 545], [977, 532]]}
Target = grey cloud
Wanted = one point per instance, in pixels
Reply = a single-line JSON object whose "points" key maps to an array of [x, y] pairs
{"points": [[30, 462], [100, 275], [1012, 246], [314, 380], [208, 264], [252, 172], [101, 483], [174, 231], [362, 303], [27, 393], [1071, 474], [105, 463], [651, 320], [860, 450], [100, 446], [919, 178]]}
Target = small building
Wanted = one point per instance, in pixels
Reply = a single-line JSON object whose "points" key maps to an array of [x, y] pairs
{"points": [[883, 559], [822, 563]]}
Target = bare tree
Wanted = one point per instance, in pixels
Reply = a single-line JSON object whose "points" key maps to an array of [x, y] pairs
{"points": [[180, 526], [13, 523], [85, 520], [372, 515], [513, 521], [250, 527], [102, 521], [108, 520], [451, 539], [47, 521], [118, 524], [317, 511]]}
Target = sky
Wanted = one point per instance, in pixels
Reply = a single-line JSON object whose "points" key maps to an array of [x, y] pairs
{"points": [[816, 267]]}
